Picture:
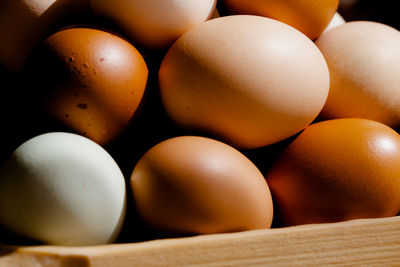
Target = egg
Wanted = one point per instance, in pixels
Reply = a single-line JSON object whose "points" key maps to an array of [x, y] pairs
{"points": [[89, 80], [62, 189], [338, 170], [364, 61], [247, 80], [197, 185], [24, 23], [335, 21], [310, 17], [154, 24]]}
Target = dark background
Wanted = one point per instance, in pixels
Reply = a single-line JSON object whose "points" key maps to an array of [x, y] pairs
{"points": [[385, 11]]}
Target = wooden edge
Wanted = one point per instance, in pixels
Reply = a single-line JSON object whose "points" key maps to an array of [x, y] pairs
{"points": [[366, 242]]}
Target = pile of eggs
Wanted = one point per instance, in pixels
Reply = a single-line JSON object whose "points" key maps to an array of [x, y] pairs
{"points": [[193, 117]]}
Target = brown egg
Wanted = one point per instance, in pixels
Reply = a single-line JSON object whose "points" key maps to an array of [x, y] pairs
{"points": [[154, 24], [197, 185], [248, 80], [89, 80], [310, 17], [24, 23], [364, 62], [338, 170]]}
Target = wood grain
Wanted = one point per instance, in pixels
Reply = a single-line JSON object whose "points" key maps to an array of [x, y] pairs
{"points": [[368, 242]]}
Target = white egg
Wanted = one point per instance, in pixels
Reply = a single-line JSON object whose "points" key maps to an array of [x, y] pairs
{"points": [[23, 23], [62, 189], [155, 24]]}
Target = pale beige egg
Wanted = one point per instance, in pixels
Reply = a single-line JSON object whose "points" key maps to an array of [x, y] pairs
{"points": [[364, 63], [248, 80]]}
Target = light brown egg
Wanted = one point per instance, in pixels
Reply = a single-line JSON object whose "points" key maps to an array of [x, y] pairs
{"points": [[364, 62], [154, 24], [249, 80], [308, 16], [89, 80], [197, 185], [24, 23], [338, 170]]}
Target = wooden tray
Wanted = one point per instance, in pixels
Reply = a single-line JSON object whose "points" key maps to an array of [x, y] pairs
{"points": [[367, 242]]}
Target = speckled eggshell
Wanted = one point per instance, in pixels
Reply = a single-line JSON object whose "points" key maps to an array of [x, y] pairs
{"points": [[308, 16], [364, 62], [338, 170], [197, 185], [154, 24], [249, 80], [62, 189], [89, 80], [24, 23]]}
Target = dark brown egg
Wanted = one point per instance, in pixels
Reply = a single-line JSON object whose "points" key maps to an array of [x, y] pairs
{"points": [[89, 80], [338, 170]]}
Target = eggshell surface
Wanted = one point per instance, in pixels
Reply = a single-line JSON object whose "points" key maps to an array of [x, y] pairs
{"points": [[90, 80], [24, 23], [364, 62], [197, 185], [308, 16], [62, 189], [248, 80], [154, 24], [338, 170]]}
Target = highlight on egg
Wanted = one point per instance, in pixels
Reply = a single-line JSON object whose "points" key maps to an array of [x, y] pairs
{"points": [[248, 80], [197, 185], [154, 24], [89, 80], [62, 189]]}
